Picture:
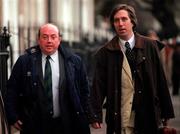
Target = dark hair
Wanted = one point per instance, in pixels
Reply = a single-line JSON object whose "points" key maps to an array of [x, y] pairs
{"points": [[129, 9]]}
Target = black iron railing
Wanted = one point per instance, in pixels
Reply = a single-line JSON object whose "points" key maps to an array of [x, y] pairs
{"points": [[4, 54]]}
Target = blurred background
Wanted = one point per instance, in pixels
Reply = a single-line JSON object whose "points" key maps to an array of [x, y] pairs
{"points": [[84, 23], [84, 26]]}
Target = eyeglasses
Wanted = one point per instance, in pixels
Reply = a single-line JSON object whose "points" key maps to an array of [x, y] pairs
{"points": [[49, 37]]}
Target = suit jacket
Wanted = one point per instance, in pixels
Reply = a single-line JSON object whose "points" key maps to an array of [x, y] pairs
{"points": [[152, 101], [26, 99]]}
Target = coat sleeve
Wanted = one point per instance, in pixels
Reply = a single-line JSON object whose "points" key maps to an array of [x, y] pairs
{"points": [[84, 88], [14, 84], [163, 90], [80, 95], [99, 88]]}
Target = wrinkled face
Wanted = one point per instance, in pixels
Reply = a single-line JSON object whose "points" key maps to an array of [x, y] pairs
{"points": [[49, 39], [123, 25]]}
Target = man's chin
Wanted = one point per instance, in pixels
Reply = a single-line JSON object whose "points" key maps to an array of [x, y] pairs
{"points": [[49, 52], [122, 35]]}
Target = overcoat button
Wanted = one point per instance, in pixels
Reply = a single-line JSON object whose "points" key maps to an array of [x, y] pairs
{"points": [[77, 112], [21, 94], [35, 83], [139, 91]]}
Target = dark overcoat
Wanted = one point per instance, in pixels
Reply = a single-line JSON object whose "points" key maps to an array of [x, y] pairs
{"points": [[26, 99], [152, 100]]}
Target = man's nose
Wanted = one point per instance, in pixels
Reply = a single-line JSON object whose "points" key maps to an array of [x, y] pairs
{"points": [[49, 39], [120, 22]]}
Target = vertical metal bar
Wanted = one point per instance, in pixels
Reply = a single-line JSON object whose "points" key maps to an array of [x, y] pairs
{"points": [[4, 54], [49, 10]]}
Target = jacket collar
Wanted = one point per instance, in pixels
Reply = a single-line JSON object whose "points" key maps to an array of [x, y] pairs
{"points": [[65, 53], [113, 45], [36, 50]]}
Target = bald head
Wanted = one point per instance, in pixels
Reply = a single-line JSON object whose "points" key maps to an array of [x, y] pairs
{"points": [[49, 26], [48, 38]]}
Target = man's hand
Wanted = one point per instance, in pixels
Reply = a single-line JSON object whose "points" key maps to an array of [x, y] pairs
{"points": [[165, 122], [96, 125], [18, 125]]}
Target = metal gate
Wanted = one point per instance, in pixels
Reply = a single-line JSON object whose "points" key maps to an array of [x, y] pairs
{"points": [[4, 54]]}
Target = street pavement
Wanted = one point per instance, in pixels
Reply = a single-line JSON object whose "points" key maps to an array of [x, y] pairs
{"points": [[176, 121]]}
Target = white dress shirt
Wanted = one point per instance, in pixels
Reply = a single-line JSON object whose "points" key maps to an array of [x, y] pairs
{"points": [[131, 42], [54, 61]]}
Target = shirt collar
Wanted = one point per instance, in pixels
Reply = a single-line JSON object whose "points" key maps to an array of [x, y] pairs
{"points": [[131, 42], [53, 56]]}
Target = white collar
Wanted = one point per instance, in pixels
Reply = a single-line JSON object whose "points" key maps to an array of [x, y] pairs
{"points": [[131, 42], [53, 56]]}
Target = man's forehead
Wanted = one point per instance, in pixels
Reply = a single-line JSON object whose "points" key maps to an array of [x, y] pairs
{"points": [[121, 12], [49, 27]]}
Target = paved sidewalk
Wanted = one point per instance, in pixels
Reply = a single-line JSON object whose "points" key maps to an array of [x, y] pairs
{"points": [[176, 121]]}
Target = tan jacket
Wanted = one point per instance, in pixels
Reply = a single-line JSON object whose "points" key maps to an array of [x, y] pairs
{"points": [[127, 95]]}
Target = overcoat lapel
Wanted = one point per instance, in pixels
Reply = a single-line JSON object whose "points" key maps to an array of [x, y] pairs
{"points": [[140, 54], [38, 66], [139, 48], [61, 71], [126, 68]]}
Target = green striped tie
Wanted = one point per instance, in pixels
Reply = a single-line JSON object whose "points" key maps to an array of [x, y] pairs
{"points": [[48, 83]]}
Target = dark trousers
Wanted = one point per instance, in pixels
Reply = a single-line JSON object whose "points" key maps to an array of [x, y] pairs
{"points": [[47, 126], [175, 84], [55, 126]]}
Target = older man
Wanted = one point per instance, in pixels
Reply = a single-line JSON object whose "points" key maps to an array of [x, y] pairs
{"points": [[47, 92]]}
